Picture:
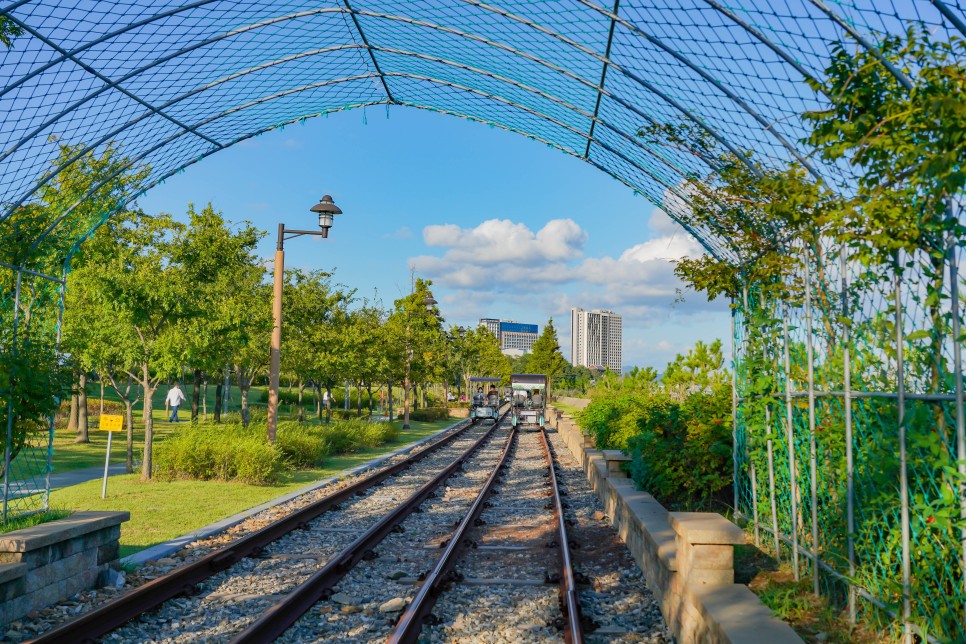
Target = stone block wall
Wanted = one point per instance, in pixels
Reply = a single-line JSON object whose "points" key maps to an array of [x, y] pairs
{"points": [[687, 557], [44, 564]]}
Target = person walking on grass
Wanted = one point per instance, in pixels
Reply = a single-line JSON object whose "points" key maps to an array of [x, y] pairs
{"points": [[174, 400]]}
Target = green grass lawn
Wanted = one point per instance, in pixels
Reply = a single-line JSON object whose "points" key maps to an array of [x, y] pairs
{"points": [[164, 510], [573, 410]]}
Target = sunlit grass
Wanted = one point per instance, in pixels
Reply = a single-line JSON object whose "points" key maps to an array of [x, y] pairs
{"points": [[163, 510]]}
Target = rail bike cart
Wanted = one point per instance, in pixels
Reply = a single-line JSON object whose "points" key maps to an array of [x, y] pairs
{"points": [[484, 405], [529, 400]]}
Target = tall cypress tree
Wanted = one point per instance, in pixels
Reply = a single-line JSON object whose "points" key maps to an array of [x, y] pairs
{"points": [[546, 357]]}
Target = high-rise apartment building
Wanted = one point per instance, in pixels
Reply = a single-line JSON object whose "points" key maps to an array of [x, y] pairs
{"points": [[595, 340], [513, 336]]}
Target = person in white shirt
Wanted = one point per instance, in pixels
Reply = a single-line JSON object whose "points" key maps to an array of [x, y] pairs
{"points": [[174, 399]]}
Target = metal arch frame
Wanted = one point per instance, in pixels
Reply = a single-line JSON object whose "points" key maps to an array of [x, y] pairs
{"points": [[949, 15], [511, 50], [155, 63], [657, 42], [428, 108], [633, 140], [603, 74], [132, 162], [372, 56], [261, 100], [765, 40], [109, 83], [421, 23], [103, 38], [628, 74], [134, 121], [275, 20], [859, 38]]}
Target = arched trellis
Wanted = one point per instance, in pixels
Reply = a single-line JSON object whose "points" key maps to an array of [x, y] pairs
{"points": [[172, 85]]}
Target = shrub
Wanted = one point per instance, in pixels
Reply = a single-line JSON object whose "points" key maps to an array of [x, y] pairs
{"points": [[682, 453], [225, 452], [429, 414], [345, 437], [302, 445]]}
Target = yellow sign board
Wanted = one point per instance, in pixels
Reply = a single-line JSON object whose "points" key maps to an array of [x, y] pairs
{"points": [[112, 423]]}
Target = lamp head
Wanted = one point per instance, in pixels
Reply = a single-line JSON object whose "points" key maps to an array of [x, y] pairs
{"points": [[326, 209]]}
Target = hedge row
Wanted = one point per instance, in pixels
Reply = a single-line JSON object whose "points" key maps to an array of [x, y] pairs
{"points": [[230, 452]]}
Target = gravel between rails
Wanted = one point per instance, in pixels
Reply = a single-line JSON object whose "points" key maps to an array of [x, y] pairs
{"points": [[509, 610], [617, 597], [224, 597], [513, 605], [360, 609]]}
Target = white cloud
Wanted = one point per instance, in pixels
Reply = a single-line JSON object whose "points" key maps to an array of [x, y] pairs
{"points": [[501, 265], [502, 255]]}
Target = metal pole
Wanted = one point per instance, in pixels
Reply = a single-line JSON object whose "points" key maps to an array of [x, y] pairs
{"points": [[754, 503], [849, 456], [771, 484], [790, 429], [409, 359], [754, 477], [812, 447], [958, 374], [903, 474], [276, 348], [11, 394], [107, 463], [734, 403]]}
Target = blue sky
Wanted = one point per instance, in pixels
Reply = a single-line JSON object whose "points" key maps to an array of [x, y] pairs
{"points": [[504, 226]]}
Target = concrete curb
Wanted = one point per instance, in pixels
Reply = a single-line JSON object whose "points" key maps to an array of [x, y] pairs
{"points": [[169, 547]]}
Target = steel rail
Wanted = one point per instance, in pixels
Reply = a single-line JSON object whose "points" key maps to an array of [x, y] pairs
{"points": [[411, 621], [569, 598], [277, 619], [113, 614]]}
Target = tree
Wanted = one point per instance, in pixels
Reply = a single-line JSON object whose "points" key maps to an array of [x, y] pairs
{"points": [[315, 315], [414, 332], [89, 187], [9, 30], [546, 357], [127, 311], [700, 371], [364, 348], [228, 294]]}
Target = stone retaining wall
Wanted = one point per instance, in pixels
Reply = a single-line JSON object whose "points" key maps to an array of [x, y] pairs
{"points": [[687, 557], [44, 564]]}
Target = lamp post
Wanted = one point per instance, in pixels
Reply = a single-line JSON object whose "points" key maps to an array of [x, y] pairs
{"points": [[428, 302], [326, 210]]}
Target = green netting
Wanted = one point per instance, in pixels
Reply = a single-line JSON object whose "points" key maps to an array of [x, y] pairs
{"points": [[162, 85]]}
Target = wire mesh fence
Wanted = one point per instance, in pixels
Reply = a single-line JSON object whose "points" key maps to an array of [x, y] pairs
{"points": [[851, 454]]}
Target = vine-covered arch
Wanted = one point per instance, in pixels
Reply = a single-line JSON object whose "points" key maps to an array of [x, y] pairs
{"points": [[162, 85]]}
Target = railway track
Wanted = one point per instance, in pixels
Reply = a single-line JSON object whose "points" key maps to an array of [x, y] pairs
{"points": [[446, 545], [497, 541], [184, 581]]}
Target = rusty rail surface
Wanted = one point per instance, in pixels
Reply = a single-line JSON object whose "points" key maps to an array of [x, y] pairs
{"points": [[569, 599], [277, 619], [109, 616], [411, 622]]}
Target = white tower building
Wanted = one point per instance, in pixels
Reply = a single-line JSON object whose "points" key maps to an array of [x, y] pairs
{"points": [[595, 340]]}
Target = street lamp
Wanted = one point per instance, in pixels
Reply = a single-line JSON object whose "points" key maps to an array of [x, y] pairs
{"points": [[429, 302], [326, 210]]}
